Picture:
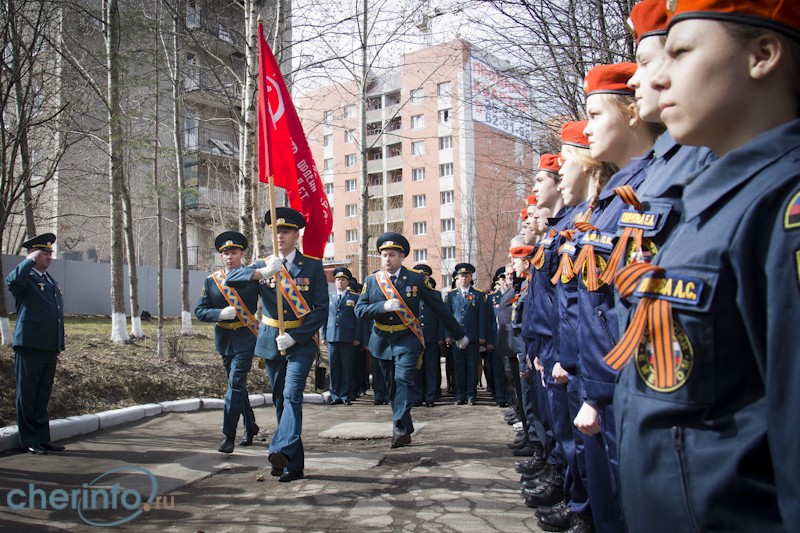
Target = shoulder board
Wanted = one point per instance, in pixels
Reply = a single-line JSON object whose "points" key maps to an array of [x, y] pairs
{"points": [[415, 270], [429, 285], [477, 290]]}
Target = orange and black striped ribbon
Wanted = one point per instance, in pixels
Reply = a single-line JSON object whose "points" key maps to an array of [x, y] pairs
{"points": [[627, 195], [586, 256], [540, 252], [653, 313], [565, 265]]}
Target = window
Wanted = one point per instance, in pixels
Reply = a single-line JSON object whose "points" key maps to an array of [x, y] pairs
{"points": [[328, 117], [446, 170], [420, 255], [417, 121], [418, 148], [447, 197], [349, 136], [350, 210], [350, 111], [330, 238], [416, 96], [327, 140], [351, 235], [445, 143], [448, 252], [350, 185], [350, 160], [328, 164], [420, 228], [417, 174], [447, 280], [444, 116], [448, 225], [443, 89], [418, 200], [328, 188]]}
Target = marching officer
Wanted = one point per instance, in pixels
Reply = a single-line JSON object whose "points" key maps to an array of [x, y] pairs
{"points": [[392, 296], [468, 305], [429, 375], [341, 334], [38, 339], [288, 356], [233, 311]]}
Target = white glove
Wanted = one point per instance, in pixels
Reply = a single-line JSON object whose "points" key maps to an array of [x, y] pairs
{"points": [[462, 342], [274, 265], [34, 254], [284, 342], [392, 305], [229, 313]]}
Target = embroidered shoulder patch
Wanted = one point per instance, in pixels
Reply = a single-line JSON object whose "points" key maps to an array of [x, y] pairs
{"points": [[791, 219], [797, 260]]}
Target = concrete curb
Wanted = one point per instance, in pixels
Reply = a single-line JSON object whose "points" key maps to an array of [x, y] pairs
{"points": [[74, 426]]}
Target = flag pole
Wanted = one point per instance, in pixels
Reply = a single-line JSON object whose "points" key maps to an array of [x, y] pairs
{"points": [[271, 181]]}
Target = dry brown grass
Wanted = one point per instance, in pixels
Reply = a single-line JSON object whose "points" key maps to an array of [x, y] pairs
{"points": [[95, 375]]}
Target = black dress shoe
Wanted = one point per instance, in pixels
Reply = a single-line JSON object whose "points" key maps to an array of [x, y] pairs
{"points": [[461, 402], [278, 462], [472, 401], [36, 450], [400, 439], [291, 476], [546, 495], [53, 447], [428, 404], [337, 402], [526, 451], [247, 438], [551, 509], [502, 404], [348, 402], [226, 446]]}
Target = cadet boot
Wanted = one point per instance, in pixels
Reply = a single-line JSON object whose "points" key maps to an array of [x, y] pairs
{"points": [[551, 509], [581, 524], [557, 521]]}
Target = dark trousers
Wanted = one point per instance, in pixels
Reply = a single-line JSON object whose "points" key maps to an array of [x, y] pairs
{"points": [[602, 467], [401, 397], [288, 377], [465, 371], [35, 371], [341, 359], [237, 402], [360, 372], [382, 379], [427, 377]]}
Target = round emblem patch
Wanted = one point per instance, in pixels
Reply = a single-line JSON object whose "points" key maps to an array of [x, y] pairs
{"points": [[600, 266], [682, 357], [540, 263], [645, 255]]}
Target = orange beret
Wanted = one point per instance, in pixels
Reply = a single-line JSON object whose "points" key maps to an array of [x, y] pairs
{"points": [[549, 163], [532, 199], [523, 213], [648, 18], [609, 79], [523, 251], [572, 134], [778, 15]]}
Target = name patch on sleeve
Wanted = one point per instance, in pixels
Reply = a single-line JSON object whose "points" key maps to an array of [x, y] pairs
{"points": [[646, 220], [679, 289], [601, 241]]}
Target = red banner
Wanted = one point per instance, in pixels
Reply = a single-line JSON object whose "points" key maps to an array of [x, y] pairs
{"points": [[283, 151]]}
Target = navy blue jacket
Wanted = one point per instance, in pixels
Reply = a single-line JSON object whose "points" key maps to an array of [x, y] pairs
{"points": [[40, 309], [211, 302], [469, 312], [719, 450], [310, 278], [341, 324], [414, 290]]}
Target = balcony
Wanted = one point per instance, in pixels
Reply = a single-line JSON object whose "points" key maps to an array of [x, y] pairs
{"points": [[206, 197], [211, 140]]}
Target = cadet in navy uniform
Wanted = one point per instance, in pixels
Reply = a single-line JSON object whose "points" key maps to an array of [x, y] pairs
{"points": [[288, 356], [707, 405], [392, 297], [340, 333], [38, 339], [235, 334], [495, 337], [428, 377], [468, 305]]}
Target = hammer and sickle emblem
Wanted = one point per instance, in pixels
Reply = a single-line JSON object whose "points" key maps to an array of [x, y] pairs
{"points": [[276, 114]]}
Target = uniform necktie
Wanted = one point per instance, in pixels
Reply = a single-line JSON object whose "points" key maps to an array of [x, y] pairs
{"points": [[393, 278], [339, 302]]}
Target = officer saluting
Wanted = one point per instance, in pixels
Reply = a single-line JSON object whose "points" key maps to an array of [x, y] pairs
{"points": [[235, 336], [38, 339], [305, 306], [392, 297]]}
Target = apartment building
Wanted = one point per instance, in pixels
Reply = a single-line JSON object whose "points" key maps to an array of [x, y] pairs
{"points": [[448, 159]]}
